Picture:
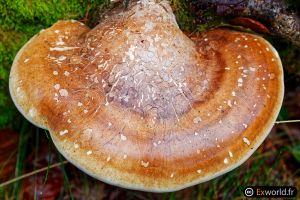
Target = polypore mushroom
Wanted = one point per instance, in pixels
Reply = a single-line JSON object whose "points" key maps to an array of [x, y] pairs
{"points": [[136, 103]]}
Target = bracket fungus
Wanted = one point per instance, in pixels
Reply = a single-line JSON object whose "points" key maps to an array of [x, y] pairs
{"points": [[136, 103]]}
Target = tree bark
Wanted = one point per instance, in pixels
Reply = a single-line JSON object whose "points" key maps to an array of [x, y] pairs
{"points": [[279, 19]]}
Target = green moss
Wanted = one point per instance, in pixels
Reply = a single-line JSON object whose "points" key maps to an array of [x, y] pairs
{"points": [[11, 41], [29, 15], [186, 19]]}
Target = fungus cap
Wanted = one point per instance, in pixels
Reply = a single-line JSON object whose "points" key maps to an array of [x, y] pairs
{"points": [[136, 103]]}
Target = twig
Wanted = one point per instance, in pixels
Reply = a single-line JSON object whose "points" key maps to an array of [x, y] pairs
{"points": [[287, 121], [87, 12], [32, 173]]}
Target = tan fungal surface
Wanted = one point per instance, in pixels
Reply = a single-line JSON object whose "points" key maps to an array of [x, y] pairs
{"points": [[137, 103]]}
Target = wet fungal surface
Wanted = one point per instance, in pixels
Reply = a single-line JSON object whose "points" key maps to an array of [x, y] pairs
{"points": [[137, 103]]}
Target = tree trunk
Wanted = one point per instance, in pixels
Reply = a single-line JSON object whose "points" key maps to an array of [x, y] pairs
{"points": [[279, 19]]}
